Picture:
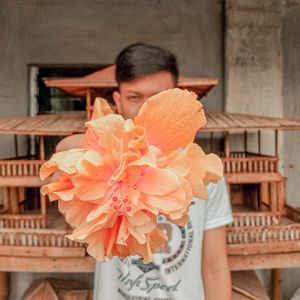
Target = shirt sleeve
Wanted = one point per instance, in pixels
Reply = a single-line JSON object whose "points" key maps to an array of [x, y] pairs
{"points": [[218, 209]]}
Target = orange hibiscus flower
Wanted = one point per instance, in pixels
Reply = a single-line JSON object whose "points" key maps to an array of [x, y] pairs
{"points": [[130, 171]]}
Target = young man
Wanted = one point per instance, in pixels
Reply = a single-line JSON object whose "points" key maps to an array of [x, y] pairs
{"points": [[193, 264]]}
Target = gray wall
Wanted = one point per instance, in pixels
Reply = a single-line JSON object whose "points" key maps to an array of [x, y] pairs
{"points": [[85, 31], [262, 76], [261, 59], [291, 98], [253, 58], [291, 109]]}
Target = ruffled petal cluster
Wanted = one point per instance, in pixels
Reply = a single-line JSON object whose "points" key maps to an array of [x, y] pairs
{"points": [[131, 171]]}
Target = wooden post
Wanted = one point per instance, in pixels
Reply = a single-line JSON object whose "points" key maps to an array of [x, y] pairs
{"points": [[6, 204], [4, 286], [276, 279], [245, 141], [227, 148], [21, 197], [228, 189], [259, 142], [276, 143], [88, 103], [273, 197], [281, 195], [264, 193], [16, 146], [14, 200], [256, 201], [42, 148], [43, 210]]}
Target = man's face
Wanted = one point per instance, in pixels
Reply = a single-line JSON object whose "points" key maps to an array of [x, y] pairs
{"points": [[134, 93]]}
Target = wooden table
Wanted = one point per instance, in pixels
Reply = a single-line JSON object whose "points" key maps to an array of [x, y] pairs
{"points": [[86, 264]]}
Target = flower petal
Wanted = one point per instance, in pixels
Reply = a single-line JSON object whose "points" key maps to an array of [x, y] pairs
{"points": [[96, 245], [214, 168], [158, 182], [61, 189], [101, 108], [171, 119], [86, 228], [173, 201], [103, 134], [75, 211], [123, 232], [65, 161], [92, 190], [179, 162]]}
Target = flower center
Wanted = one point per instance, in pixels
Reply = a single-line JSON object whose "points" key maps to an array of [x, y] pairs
{"points": [[120, 198]]}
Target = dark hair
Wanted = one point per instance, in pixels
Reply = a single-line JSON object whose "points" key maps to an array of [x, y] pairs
{"points": [[141, 59]]}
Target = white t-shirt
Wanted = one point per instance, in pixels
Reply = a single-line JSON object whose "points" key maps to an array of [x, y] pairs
{"points": [[176, 271]]}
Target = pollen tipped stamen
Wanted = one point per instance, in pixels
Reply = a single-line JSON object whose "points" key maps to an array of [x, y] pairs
{"points": [[119, 212], [120, 199]]}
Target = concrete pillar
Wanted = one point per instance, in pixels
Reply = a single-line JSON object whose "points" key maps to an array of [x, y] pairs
{"points": [[253, 61], [3, 286]]}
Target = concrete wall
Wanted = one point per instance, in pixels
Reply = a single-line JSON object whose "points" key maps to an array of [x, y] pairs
{"points": [[253, 62], [261, 60], [291, 97], [90, 31], [262, 75], [291, 109], [94, 31]]}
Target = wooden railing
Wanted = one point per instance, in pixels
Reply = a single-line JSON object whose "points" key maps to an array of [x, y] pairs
{"points": [[20, 167], [21, 221], [36, 238], [263, 234], [259, 164], [256, 219]]}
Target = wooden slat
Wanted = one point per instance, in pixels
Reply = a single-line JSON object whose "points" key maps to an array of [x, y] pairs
{"points": [[67, 124], [87, 264], [47, 264], [210, 120], [246, 283], [241, 122], [22, 181], [4, 285], [276, 284], [23, 251], [264, 261], [62, 124], [263, 248], [239, 178]]}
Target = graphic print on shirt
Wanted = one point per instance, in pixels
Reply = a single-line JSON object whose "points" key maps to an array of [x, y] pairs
{"points": [[138, 278]]}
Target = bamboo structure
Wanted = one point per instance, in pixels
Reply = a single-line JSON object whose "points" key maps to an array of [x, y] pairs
{"points": [[265, 233], [37, 231]]}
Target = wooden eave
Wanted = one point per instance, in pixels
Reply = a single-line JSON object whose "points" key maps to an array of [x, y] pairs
{"points": [[72, 123], [235, 122], [104, 79], [42, 125]]}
